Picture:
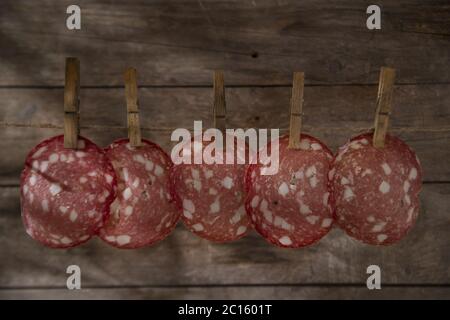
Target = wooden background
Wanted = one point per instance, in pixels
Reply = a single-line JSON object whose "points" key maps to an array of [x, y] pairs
{"points": [[176, 45]]}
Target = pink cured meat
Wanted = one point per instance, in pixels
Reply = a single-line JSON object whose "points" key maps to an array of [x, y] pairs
{"points": [[292, 208], [143, 212], [66, 193], [376, 190], [212, 199]]}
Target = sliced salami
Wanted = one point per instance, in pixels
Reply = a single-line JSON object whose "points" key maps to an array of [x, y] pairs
{"points": [[143, 212], [291, 208], [376, 190], [66, 193], [212, 198]]}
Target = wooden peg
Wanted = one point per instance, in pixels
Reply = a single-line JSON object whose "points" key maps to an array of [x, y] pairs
{"points": [[219, 108], [295, 125], [134, 128], [72, 103], [384, 101]]}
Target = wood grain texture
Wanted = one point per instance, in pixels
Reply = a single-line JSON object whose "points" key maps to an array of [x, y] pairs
{"points": [[254, 42], [231, 292], [333, 114], [184, 259]]}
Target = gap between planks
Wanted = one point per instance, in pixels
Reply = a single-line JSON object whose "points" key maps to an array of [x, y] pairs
{"points": [[204, 86], [6, 124], [238, 285]]}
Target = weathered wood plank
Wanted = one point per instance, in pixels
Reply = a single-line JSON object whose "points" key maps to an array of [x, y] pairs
{"points": [[241, 292], [324, 106], [184, 259], [332, 113], [255, 42]]}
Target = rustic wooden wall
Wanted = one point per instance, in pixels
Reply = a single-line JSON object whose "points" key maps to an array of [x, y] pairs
{"points": [[176, 45]]}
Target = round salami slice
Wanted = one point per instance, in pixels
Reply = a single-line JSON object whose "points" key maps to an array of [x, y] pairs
{"points": [[212, 197], [291, 208], [376, 190], [66, 193], [143, 212]]}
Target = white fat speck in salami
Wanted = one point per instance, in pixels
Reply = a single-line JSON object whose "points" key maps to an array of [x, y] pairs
{"points": [[44, 166], [53, 158], [283, 189], [55, 188], [326, 222], [44, 205], [413, 174], [406, 186], [127, 194], [285, 241], [304, 144], [149, 165], [384, 187], [304, 209], [215, 206], [241, 230], [123, 239], [198, 227], [188, 205], [128, 210], [65, 240], [56, 201], [227, 182], [299, 217], [385, 190], [141, 215], [386, 168], [108, 178], [216, 191], [73, 216], [255, 201], [158, 170], [39, 152]]}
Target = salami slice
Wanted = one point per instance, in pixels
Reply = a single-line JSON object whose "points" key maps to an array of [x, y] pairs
{"points": [[212, 198], [143, 212], [65, 193], [291, 208], [376, 190]]}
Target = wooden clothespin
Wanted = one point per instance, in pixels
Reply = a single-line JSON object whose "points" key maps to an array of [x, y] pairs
{"points": [[219, 107], [295, 125], [134, 128], [384, 101], [72, 103]]}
